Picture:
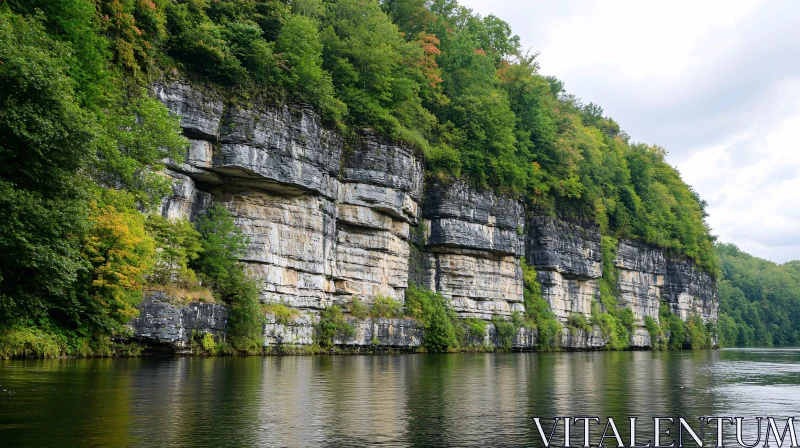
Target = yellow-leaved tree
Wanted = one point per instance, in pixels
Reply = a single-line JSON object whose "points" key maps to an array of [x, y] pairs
{"points": [[121, 253]]}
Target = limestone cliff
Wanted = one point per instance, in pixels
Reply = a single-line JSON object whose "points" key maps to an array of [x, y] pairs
{"points": [[329, 221]]}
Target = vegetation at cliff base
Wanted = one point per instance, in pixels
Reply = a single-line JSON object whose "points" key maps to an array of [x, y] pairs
{"points": [[537, 311], [442, 331]]}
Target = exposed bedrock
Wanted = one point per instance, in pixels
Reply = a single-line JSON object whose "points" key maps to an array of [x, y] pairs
{"points": [[325, 225], [329, 221], [641, 270], [690, 290], [568, 261], [472, 244], [165, 322]]}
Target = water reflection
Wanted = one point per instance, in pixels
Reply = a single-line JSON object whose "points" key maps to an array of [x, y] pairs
{"points": [[402, 400]]}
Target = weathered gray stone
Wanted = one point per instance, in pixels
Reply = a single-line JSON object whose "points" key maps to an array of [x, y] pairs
{"points": [[370, 332], [635, 256], [382, 332], [557, 245], [186, 201], [370, 263], [690, 291], [567, 294], [299, 331], [579, 339], [327, 225], [292, 243], [199, 109], [283, 145], [165, 322], [641, 270], [377, 162], [387, 200], [478, 284], [458, 216]]}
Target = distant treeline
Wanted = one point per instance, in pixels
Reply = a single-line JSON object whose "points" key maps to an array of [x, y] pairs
{"points": [[759, 300]]}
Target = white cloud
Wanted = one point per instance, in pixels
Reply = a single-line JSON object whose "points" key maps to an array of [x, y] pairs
{"points": [[715, 82], [752, 183], [652, 42]]}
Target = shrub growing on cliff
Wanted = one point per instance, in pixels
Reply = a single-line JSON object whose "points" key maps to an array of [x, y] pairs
{"points": [[385, 307], [577, 321], [537, 311], [222, 243], [698, 333], [437, 319], [332, 324], [218, 264], [654, 330], [179, 244], [506, 330], [474, 329], [283, 314], [672, 327], [246, 317], [358, 308]]}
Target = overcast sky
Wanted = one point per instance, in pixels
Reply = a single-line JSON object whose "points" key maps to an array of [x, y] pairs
{"points": [[717, 83]]}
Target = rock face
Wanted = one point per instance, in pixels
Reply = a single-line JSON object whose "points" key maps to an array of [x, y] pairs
{"points": [[329, 222], [472, 242], [163, 322], [690, 291], [567, 258], [641, 271]]}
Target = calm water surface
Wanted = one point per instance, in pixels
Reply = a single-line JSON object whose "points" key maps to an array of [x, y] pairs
{"points": [[392, 400]]}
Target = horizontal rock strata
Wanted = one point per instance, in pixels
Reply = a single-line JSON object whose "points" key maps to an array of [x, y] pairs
{"points": [[330, 222]]}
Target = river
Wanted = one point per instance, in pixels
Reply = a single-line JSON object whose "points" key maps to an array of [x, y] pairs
{"points": [[381, 400]]}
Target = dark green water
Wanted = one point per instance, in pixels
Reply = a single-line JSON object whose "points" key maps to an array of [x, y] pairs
{"points": [[400, 400]]}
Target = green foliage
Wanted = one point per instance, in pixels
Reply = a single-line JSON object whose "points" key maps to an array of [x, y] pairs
{"points": [[79, 128], [42, 198], [616, 323], [358, 309], [438, 320], [121, 253], [654, 330], [506, 330], [203, 343], [81, 146], [222, 243], [537, 311], [283, 314], [698, 335], [385, 307], [299, 42], [627, 319], [672, 327], [474, 328], [608, 283], [578, 321], [29, 343], [759, 300], [246, 317], [331, 325], [218, 265], [179, 244]]}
